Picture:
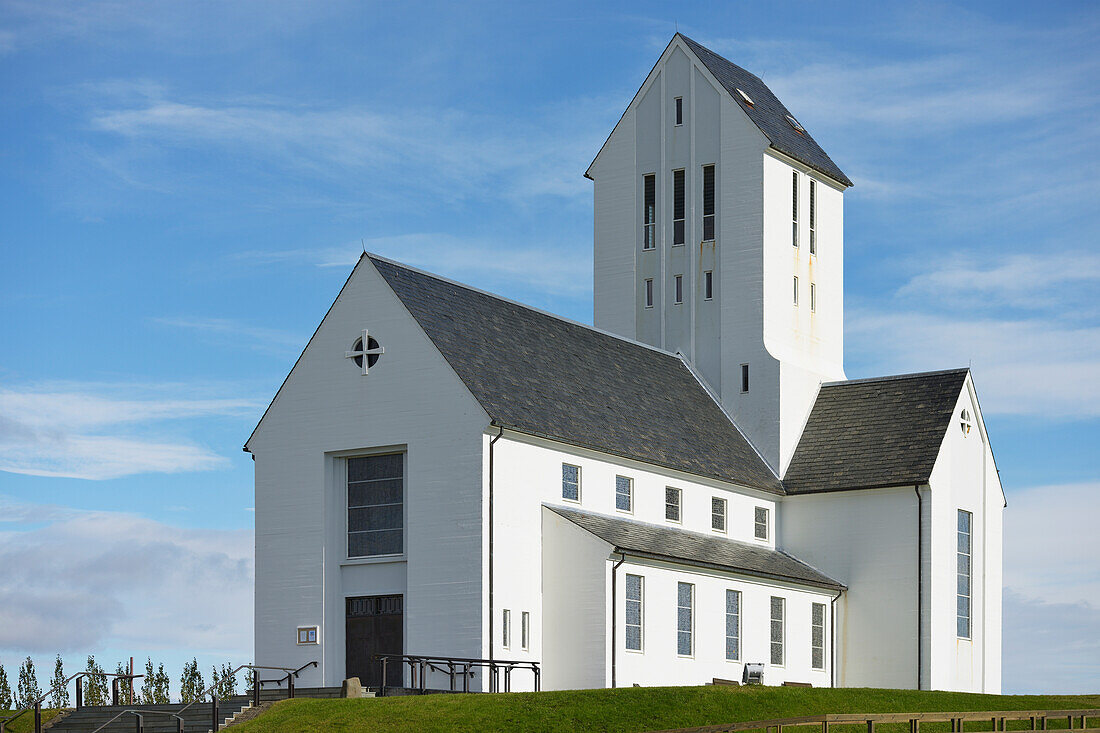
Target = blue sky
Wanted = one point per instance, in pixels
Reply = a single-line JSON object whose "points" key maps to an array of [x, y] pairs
{"points": [[185, 186]]}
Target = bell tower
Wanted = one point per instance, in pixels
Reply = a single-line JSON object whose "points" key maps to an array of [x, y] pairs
{"points": [[719, 235]]}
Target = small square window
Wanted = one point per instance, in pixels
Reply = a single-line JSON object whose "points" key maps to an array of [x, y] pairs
{"points": [[679, 281], [649, 293], [570, 482], [679, 101], [307, 634], [672, 504], [708, 285], [624, 494], [760, 529], [718, 514]]}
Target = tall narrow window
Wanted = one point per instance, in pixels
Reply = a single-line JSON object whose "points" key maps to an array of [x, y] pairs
{"points": [[744, 377], [813, 216], [525, 630], [649, 293], [506, 629], [964, 575], [634, 609], [649, 212], [778, 613], [813, 297], [817, 636], [794, 203], [733, 625], [679, 101], [685, 593], [624, 494], [760, 528], [678, 207], [708, 284], [796, 289], [672, 504], [570, 482], [718, 513], [708, 203], [679, 282], [376, 491]]}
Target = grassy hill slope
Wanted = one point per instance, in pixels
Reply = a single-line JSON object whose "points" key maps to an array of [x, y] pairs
{"points": [[633, 709], [26, 722]]}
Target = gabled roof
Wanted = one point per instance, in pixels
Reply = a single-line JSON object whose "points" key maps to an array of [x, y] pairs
{"points": [[677, 545], [767, 112], [546, 376], [873, 433]]}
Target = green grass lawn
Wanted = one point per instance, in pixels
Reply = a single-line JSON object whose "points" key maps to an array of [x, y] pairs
{"points": [[637, 709], [26, 721]]}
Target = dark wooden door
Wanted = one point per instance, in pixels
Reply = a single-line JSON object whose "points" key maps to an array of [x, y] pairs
{"points": [[374, 626]]}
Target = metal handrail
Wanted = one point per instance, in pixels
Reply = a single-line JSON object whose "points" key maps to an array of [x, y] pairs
{"points": [[467, 664], [256, 691], [36, 706], [139, 713], [287, 678]]}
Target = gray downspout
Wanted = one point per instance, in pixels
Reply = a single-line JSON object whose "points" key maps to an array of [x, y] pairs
{"points": [[492, 443], [920, 587], [832, 639], [614, 614]]}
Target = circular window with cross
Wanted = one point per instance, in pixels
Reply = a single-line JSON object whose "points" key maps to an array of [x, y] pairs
{"points": [[365, 352], [965, 422]]}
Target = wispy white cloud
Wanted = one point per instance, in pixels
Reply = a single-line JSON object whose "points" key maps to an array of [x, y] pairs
{"points": [[234, 333], [84, 431], [79, 580]]}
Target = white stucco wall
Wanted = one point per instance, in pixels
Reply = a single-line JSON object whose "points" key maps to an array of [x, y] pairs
{"points": [[411, 401]]}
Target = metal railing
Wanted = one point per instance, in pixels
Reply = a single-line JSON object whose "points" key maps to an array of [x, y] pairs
{"points": [[996, 718], [215, 720], [36, 706], [420, 665]]}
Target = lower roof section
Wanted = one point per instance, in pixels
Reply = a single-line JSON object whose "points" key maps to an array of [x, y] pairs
{"points": [[689, 548]]}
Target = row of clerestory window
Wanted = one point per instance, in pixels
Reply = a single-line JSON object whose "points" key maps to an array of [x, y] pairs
{"points": [[679, 207]]}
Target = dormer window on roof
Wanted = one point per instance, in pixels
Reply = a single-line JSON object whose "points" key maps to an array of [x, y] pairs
{"points": [[794, 123], [744, 97]]}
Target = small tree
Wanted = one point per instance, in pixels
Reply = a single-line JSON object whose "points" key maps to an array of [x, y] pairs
{"points": [[191, 684], [124, 697], [95, 685], [5, 690], [28, 684], [59, 690], [251, 683], [147, 695], [229, 681], [160, 692]]}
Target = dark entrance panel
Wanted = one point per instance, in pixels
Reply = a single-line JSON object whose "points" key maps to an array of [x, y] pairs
{"points": [[374, 626]]}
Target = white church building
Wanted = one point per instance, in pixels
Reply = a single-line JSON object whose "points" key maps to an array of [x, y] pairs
{"points": [[690, 486]]}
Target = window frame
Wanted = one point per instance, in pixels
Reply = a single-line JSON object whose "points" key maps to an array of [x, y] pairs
{"points": [[648, 293], [678, 111], [640, 600], [712, 201], [782, 621], [724, 503], [794, 212], [506, 629], [813, 297], [744, 379], [348, 507], [679, 223], [678, 290], [814, 647], [679, 505], [708, 285], [649, 212], [629, 494], [690, 631], [737, 624], [813, 217], [969, 574], [525, 630], [796, 291], [563, 496], [756, 523]]}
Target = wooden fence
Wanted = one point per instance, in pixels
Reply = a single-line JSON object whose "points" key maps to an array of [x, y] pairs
{"points": [[996, 719]]}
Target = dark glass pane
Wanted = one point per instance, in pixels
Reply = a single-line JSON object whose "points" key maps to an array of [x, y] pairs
{"points": [[964, 522], [683, 594], [964, 564], [570, 491], [733, 649], [964, 585], [708, 228], [817, 634], [366, 468], [365, 544], [633, 613], [650, 207], [375, 492], [733, 601], [622, 500], [634, 638], [708, 189], [819, 659], [777, 631], [678, 232], [376, 517], [963, 606], [818, 614], [570, 473], [777, 608], [964, 542], [634, 587], [683, 643], [678, 195], [777, 654], [964, 628]]}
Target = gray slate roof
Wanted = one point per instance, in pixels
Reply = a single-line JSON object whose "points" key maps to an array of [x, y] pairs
{"points": [[668, 543], [872, 433], [767, 112], [549, 377]]}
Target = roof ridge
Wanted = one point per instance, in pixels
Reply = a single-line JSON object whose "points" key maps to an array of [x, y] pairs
{"points": [[710, 50], [511, 301], [895, 377]]}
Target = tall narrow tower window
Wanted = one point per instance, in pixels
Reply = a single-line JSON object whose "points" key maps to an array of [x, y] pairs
{"points": [[679, 289], [649, 212], [964, 555], [796, 290], [813, 297], [649, 293], [744, 377], [794, 204], [708, 203], [679, 110], [813, 216], [678, 206], [708, 284]]}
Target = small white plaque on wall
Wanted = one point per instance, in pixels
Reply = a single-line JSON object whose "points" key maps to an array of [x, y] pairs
{"points": [[308, 634]]}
